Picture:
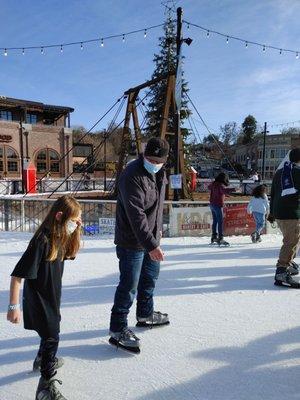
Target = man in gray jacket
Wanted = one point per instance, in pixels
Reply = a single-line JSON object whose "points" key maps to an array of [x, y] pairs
{"points": [[141, 193]]}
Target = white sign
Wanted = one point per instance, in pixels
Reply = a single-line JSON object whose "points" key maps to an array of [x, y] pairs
{"points": [[190, 221], [176, 181], [107, 225]]}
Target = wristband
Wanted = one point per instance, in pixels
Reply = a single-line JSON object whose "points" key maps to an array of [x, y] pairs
{"points": [[12, 307]]}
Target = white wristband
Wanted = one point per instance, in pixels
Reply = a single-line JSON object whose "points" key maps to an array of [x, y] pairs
{"points": [[12, 307]]}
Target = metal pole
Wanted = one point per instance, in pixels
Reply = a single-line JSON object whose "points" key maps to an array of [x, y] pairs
{"points": [[264, 152], [105, 137], [177, 119], [21, 151]]}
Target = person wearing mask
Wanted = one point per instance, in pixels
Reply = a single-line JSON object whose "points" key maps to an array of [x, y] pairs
{"points": [[141, 193]]}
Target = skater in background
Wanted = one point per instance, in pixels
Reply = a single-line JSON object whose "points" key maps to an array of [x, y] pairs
{"points": [[259, 208], [285, 208], [218, 190], [141, 193], [42, 264]]}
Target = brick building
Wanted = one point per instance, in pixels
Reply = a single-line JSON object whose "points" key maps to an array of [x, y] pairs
{"points": [[37, 132]]}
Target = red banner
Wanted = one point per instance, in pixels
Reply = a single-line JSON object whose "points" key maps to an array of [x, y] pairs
{"points": [[237, 221]]}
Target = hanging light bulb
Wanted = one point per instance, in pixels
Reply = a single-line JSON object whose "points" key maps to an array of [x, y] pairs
{"points": [[207, 33], [61, 48], [42, 50], [102, 43], [280, 51], [123, 38], [264, 48], [23, 52], [145, 33], [227, 40], [81, 46], [246, 45], [5, 52], [297, 55]]}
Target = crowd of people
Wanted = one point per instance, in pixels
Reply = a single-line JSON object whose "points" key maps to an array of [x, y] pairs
{"points": [[141, 193]]}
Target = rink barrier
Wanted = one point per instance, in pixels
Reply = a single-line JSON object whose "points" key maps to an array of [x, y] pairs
{"points": [[183, 218]]}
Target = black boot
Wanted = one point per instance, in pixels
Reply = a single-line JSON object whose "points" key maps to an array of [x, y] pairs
{"points": [[47, 390], [214, 238], [283, 277], [222, 242]]}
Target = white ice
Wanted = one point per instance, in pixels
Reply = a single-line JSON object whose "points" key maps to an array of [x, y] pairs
{"points": [[233, 334]]}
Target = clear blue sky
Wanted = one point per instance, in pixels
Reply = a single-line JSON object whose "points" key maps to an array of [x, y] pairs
{"points": [[227, 81]]}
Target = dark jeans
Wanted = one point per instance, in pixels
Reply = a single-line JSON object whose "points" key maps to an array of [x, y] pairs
{"points": [[138, 273], [47, 351], [217, 214]]}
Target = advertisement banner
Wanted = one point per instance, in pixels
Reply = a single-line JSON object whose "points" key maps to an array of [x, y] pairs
{"points": [[237, 221], [107, 225]]}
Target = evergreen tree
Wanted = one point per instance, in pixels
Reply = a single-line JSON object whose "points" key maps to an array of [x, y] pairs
{"points": [[165, 61], [249, 129]]}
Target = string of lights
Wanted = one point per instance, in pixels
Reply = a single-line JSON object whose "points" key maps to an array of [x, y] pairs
{"points": [[264, 47], [81, 43]]}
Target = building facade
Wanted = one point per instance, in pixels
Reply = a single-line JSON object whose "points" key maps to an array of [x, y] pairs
{"points": [[250, 156], [37, 133]]}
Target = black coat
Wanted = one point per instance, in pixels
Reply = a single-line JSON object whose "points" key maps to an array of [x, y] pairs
{"points": [[139, 207], [42, 287]]}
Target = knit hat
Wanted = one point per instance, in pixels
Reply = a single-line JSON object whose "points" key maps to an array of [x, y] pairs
{"points": [[157, 149]]}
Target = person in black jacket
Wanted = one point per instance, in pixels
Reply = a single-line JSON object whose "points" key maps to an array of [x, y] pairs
{"points": [[141, 193], [285, 208], [41, 267]]}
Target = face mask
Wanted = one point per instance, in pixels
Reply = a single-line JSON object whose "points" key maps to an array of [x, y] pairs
{"points": [[152, 168], [71, 227]]}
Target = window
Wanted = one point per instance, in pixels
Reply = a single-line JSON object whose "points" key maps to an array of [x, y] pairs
{"points": [[5, 115], [272, 153], [47, 160], [31, 118], [9, 160]]}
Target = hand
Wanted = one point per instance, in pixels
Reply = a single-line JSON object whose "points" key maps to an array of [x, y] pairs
{"points": [[271, 219], [156, 254], [14, 316]]}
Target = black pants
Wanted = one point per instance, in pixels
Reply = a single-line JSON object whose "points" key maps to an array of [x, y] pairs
{"points": [[47, 352]]}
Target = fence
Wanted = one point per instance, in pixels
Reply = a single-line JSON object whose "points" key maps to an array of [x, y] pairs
{"points": [[186, 218]]}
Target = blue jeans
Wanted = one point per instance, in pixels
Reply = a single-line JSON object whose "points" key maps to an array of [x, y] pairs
{"points": [[259, 221], [217, 214], [138, 273]]}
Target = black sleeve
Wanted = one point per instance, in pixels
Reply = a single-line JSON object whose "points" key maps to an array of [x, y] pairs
{"points": [[133, 198], [272, 197], [28, 265]]}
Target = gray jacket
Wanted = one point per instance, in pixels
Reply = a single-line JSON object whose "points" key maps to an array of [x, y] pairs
{"points": [[139, 207]]}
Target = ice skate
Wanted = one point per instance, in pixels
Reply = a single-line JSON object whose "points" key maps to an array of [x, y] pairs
{"points": [[293, 268], [125, 340], [59, 362], [47, 390], [222, 242], [156, 319], [254, 237], [283, 277], [214, 239]]}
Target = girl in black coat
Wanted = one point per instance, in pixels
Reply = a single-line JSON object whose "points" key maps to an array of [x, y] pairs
{"points": [[41, 266]]}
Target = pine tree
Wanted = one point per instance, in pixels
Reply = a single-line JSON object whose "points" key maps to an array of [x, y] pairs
{"points": [[165, 61]]}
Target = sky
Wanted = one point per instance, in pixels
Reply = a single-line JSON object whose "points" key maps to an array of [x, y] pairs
{"points": [[226, 81]]}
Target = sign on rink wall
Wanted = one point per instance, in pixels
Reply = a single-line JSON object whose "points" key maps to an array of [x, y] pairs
{"points": [[197, 221], [190, 221], [107, 225]]}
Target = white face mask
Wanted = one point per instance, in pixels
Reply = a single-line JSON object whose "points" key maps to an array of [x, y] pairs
{"points": [[71, 227]]}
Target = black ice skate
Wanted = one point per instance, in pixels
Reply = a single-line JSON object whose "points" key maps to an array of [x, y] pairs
{"points": [[214, 239], [254, 237], [59, 362], [125, 340], [47, 390], [283, 277], [156, 319], [222, 242], [293, 268]]}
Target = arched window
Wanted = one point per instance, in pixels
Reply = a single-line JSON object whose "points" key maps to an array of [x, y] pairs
{"points": [[47, 160], [9, 161]]}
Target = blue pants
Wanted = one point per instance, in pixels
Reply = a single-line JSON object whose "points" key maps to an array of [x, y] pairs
{"points": [[259, 221], [217, 214], [138, 273]]}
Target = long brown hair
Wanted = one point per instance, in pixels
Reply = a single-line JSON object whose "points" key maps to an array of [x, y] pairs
{"points": [[62, 244]]}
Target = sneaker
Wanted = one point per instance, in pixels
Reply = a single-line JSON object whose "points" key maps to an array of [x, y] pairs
{"points": [[283, 277], [156, 319], [47, 390], [59, 362], [293, 268], [126, 338]]}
